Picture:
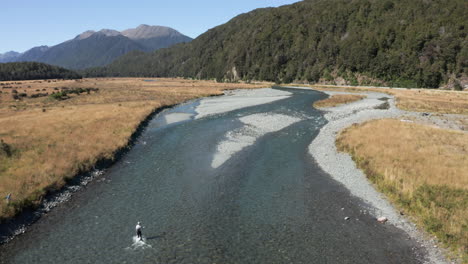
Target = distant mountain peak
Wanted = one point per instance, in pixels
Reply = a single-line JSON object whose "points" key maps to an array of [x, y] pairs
{"points": [[109, 32], [10, 53], [85, 34], [144, 31], [9, 56], [105, 32], [97, 48], [43, 47]]}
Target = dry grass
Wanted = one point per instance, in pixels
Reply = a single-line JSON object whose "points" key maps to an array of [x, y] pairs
{"points": [[419, 100], [53, 140], [338, 99], [448, 102], [422, 169]]}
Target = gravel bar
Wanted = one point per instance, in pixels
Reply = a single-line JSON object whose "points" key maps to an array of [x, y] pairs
{"points": [[343, 169]]}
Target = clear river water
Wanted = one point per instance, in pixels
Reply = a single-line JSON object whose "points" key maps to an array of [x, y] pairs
{"points": [[266, 202]]}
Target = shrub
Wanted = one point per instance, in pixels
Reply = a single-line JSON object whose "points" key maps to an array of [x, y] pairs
{"points": [[457, 86], [5, 149], [39, 95], [59, 96], [383, 106]]}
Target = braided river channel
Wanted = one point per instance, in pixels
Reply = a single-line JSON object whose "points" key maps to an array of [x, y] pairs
{"points": [[219, 180]]}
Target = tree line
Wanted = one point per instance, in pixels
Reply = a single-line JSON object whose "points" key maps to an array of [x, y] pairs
{"points": [[420, 43], [34, 70]]}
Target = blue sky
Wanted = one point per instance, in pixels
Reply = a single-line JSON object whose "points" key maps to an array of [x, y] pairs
{"points": [[29, 23]]}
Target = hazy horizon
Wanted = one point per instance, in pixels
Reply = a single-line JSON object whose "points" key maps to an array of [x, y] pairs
{"points": [[28, 23]]}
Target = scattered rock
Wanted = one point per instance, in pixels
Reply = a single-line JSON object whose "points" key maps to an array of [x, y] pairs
{"points": [[406, 120], [346, 218], [382, 219]]}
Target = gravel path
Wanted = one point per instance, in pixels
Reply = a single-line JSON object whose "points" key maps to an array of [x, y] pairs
{"points": [[343, 169]]}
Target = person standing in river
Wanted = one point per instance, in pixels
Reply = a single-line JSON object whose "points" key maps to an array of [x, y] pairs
{"points": [[138, 231]]}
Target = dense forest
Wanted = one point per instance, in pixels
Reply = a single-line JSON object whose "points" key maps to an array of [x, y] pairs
{"points": [[34, 70], [419, 43]]}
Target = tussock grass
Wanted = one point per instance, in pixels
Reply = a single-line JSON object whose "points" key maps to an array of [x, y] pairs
{"points": [[49, 141], [338, 99], [439, 101], [418, 100], [422, 169]]}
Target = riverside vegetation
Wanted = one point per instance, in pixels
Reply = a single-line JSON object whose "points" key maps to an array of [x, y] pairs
{"points": [[47, 140], [396, 43]]}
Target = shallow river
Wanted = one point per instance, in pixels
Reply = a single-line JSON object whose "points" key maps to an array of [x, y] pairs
{"points": [[225, 188]]}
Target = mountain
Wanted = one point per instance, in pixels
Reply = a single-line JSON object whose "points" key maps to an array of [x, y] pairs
{"points": [[91, 48], [419, 43], [9, 56], [34, 70], [153, 38], [33, 54], [97, 49]]}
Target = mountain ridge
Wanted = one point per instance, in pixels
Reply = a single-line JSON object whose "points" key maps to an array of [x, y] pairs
{"points": [[97, 48], [361, 42]]}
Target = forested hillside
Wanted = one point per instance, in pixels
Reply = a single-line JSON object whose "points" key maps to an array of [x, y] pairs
{"points": [[419, 43], [34, 70]]}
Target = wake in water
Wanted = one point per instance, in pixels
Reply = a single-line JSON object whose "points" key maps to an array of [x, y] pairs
{"points": [[139, 244]]}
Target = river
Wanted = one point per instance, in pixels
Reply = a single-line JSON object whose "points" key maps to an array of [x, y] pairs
{"points": [[233, 187]]}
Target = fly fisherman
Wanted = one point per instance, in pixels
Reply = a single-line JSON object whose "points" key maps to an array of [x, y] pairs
{"points": [[138, 231]]}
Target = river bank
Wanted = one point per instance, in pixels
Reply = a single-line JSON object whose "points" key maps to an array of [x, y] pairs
{"points": [[343, 168], [56, 143]]}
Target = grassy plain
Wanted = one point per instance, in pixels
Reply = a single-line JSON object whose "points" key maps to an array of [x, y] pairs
{"points": [[338, 99], [418, 100], [422, 169], [47, 141]]}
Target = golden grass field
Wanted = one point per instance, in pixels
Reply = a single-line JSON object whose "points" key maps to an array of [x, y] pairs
{"points": [[422, 169], [418, 100], [51, 140], [338, 99]]}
